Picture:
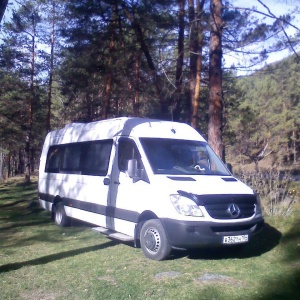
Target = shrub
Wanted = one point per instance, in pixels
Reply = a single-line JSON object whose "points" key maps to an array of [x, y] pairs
{"points": [[275, 189]]}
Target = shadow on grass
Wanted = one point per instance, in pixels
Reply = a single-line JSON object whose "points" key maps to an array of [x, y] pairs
{"points": [[12, 203], [263, 242], [282, 288], [286, 286], [19, 212], [54, 257], [26, 224]]}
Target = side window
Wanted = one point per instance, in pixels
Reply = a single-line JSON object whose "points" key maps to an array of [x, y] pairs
{"points": [[95, 158], [128, 150], [71, 158], [86, 158], [53, 159]]}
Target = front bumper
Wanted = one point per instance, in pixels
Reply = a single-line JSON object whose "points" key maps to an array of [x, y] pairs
{"points": [[190, 234]]}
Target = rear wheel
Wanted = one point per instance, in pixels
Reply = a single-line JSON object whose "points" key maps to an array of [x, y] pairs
{"points": [[60, 217], [154, 241]]}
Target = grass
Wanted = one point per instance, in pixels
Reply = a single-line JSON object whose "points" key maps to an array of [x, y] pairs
{"points": [[39, 260]]}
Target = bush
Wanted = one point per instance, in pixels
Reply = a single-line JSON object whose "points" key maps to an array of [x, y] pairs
{"points": [[275, 189]]}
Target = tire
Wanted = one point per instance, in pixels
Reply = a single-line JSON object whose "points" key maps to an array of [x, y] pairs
{"points": [[60, 217], [154, 241]]}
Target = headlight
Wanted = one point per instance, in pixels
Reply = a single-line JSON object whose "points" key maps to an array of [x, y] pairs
{"points": [[186, 206]]}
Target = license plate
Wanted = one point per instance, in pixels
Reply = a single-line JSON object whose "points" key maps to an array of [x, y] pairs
{"points": [[235, 239]]}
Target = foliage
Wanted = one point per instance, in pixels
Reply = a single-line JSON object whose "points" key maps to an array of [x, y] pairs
{"points": [[267, 115], [277, 192], [89, 60]]}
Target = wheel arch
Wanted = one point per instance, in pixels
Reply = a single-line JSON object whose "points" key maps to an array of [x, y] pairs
{"points": [[144, 216]]}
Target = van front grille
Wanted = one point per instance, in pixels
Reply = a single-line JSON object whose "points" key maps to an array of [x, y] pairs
{"points": [[228, 206]]}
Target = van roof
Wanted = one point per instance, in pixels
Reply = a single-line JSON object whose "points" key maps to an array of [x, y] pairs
{"points": [[134, 127]]}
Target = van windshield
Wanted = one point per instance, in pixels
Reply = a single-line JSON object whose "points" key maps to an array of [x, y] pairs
{"points": [[178, 157]]}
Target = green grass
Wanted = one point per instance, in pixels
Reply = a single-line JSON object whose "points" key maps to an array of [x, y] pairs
{"points": [[39, 260]]}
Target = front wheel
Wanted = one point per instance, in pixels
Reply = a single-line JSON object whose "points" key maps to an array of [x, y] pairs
{"points": [[60, 217], [154, 241]]}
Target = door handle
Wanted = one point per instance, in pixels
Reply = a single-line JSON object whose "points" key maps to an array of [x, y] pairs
{"points": [[116, 182], [106, 181]]}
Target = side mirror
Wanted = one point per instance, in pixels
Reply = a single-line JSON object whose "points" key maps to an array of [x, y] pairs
{"points": [[229, 167], [135, 173], [132, 168]]}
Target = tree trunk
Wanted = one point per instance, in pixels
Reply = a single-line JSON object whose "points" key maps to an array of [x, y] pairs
{"points": [[1, 165], [30, 109], [179, 62], [215, 124], [48, 119], [193, 55], [195, 100], [9, 162], [109, 79], [196, 40], [136, 101], [18, 164], [294, 139], [164, 104]]}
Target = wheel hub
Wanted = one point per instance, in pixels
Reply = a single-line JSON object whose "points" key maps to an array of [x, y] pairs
{"points": [[152, 240]]}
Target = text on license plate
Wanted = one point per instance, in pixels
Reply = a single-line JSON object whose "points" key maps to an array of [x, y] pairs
{"points": [[235, 239]]}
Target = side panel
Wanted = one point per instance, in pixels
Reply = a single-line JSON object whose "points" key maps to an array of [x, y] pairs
{"points": [[85, 197], [126, 202]]}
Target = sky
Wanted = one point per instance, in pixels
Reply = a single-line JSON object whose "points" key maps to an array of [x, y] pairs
{"points": [[278, 8]]}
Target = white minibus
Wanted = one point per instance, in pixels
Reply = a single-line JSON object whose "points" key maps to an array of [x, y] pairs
{"points": [[156, 183]]}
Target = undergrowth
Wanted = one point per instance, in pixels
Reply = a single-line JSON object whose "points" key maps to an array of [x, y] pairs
{"points": [[278, 192]]}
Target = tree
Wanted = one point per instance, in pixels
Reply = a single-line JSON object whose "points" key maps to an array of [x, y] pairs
{"points": [[196, 45], [257, 26], [21, 38], [3, 6], [215, 125], [13, 113], [265, 124], [51, 67], [160, 59], [156, 77]]}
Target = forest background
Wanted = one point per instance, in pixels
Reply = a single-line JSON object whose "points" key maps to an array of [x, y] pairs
{"points": [[87, 60]]}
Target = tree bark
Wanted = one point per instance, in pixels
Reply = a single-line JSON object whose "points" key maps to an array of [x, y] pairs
{"points": [[109, 79], [179, 62], [215, 124], [1, 165], [52, 41], [193, 54], [32, 100], [195, 100], [136, 101], [195, 46]]}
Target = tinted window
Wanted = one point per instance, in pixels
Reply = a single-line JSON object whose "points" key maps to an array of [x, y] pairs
{"points": [[71, 158], [95, 158], [86, 158], [128, 150], [53, 159]]}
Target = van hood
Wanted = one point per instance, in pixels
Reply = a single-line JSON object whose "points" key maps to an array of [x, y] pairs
{"points": [[202, 184]]}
